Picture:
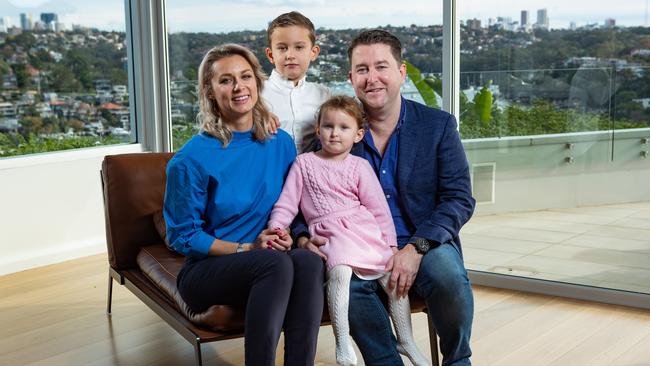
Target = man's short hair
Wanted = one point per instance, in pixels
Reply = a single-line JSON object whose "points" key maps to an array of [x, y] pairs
{"points": [[375, 36], [290, 19]]}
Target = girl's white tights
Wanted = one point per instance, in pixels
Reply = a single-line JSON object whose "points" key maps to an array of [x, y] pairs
{"points": [[338, 299], [399, 309]]}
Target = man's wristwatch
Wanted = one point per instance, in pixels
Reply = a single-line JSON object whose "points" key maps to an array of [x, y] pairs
{"points": [[422, 245]]}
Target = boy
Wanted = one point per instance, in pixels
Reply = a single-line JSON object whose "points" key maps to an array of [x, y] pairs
{"points": [[292, 46]]}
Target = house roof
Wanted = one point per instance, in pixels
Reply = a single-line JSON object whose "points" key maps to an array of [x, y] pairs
{"points": [[111, 106]]}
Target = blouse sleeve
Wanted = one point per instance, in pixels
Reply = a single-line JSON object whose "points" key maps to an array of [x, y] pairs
{"points": [[371, 195], [185, 201], [287, 206]]}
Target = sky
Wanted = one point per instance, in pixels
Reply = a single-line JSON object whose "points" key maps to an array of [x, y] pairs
{"points": [[228, 15]]}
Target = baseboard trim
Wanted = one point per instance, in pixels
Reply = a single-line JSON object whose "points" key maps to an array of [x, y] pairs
{"points": [[54, 253], [562, 289]]}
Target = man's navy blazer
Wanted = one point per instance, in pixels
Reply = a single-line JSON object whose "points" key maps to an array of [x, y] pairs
{"points": [[432, 173]]}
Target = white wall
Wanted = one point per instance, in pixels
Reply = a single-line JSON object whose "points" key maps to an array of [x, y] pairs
{"points": [[51, 207]]}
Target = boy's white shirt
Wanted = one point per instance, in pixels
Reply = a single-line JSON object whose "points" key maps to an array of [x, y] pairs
{"points": [[296, 106]]}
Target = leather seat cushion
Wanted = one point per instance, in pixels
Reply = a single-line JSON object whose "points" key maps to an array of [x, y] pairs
{"points": [[162, 266]]}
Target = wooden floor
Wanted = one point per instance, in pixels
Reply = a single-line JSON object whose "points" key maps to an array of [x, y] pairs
{"points": [[54, 315]]}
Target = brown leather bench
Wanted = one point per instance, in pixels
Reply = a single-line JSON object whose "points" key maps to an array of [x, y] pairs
{"points": [[134, 187]]}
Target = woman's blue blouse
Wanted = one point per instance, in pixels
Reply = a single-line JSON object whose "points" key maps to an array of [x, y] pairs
{"points": [[223, 192]]}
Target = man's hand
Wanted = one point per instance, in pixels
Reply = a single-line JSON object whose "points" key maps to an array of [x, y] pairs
{"points": [[313, 244], [404, 266]]}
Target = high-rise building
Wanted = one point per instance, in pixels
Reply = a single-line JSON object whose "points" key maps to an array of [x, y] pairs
{"points": [[505, 23], [3, 25], [38, 26], [473, 24], [610, 23], [26, 21], [542, 19], [524, 19], [49, 20], [572, 25], [49, 17]]}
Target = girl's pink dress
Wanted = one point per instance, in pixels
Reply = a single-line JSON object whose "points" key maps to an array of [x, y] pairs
{"points": [[343, 202]]}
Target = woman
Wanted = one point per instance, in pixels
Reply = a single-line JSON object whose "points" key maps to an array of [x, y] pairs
{"points": [[221, 187]]}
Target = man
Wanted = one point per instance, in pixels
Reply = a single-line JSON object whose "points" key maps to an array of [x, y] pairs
{"points": [[420, 162]]}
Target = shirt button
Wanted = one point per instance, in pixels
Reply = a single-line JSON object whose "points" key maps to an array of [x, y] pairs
{"points": [[383, 172], [388, 196]]}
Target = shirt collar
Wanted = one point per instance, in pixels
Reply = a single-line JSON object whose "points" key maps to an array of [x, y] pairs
{"points": [[283, 82], [367, 137], [402, 113]]}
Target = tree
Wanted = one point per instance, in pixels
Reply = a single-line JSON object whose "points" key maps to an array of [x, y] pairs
{"points": [[23, 78], [75, 124], [77, 62], [483, 104], [424, 88], [64, 80], [111, 119], [31, 125]]}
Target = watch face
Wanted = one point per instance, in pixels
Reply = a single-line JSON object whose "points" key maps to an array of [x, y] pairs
{"points": [[422, 245]]}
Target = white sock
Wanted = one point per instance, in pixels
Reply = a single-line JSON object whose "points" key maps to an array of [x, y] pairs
{"points": [[338, 299], [400, 312]]}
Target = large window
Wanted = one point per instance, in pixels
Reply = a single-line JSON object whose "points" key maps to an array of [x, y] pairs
{"points": [[548, 69], [555, 117], [63, 76], [554, 113], [196, 26]]}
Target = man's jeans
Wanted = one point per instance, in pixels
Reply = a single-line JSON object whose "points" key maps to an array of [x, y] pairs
{"points": [[442, 281]]}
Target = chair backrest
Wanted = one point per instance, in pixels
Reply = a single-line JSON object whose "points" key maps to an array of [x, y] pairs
{"points": [[134, 189]]}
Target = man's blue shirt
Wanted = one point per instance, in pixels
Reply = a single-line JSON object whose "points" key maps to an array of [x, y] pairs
{"points": [[386, 169]]}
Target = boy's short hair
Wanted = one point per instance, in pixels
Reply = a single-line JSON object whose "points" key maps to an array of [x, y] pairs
{"points": [[346, 104], [290, 19], [374, 36]]}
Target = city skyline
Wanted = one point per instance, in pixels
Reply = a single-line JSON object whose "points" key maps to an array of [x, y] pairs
{"points": [[196, 15]]}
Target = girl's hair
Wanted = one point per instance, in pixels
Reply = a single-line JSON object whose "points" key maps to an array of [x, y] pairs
{"points": [[209, 116], [345, 104]]}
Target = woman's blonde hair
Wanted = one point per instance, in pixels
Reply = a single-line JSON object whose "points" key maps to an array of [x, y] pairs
{"points": [[209, 116]]}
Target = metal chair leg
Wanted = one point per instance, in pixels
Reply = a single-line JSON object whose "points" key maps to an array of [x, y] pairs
{"points": [[197, 352], [433, 341], [110, 294]]}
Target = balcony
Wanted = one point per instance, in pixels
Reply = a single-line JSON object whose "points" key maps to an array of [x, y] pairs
{"points": [[572, 208], [604, 246]]}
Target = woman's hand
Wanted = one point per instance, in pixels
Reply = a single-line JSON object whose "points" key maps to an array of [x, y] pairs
{"points": [[277, 239], [284, 240], [265, 237]]}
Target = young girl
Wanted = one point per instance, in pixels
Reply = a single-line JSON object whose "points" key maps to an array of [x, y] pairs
{"points": [[342, 201]]}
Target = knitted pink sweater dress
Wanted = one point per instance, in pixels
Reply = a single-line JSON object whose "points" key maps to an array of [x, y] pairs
{"points": [[343, 202]]}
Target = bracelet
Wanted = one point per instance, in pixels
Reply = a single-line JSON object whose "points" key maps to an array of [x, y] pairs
{"points": [[240, 247]]}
